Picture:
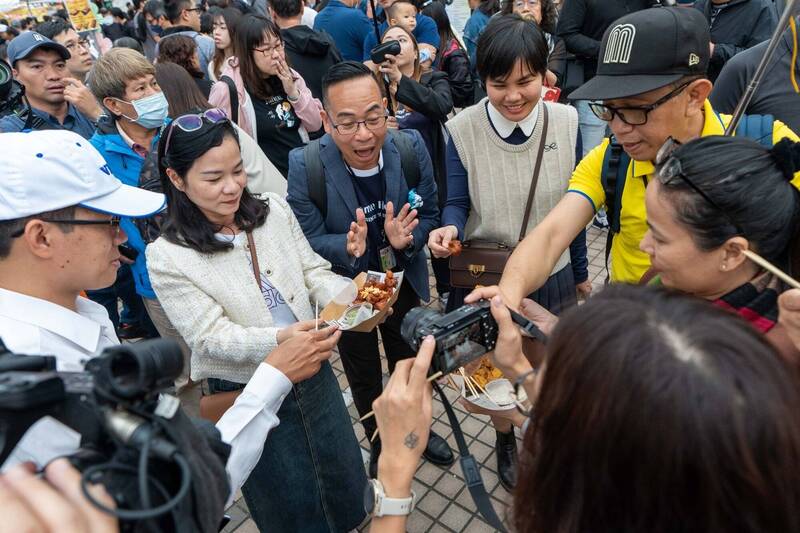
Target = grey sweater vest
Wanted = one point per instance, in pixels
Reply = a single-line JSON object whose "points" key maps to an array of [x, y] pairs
{"points": [[500, 174]]}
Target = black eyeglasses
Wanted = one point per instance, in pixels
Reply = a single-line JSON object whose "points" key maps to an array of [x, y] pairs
{"points": [[112, 222], [669, 167], [373, 124], [633, 116]]}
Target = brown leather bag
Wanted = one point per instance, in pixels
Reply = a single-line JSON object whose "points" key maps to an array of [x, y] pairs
{"points": [[482, 262], [213, 406]]}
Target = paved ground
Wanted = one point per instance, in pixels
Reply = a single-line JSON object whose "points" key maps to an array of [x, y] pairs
{"points": [[444, 504]]}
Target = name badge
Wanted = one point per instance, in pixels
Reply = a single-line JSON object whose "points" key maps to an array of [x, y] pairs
{"points": [[388, 261]]}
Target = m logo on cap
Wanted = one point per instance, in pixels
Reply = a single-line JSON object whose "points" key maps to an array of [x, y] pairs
{"points": [[619, 44]]}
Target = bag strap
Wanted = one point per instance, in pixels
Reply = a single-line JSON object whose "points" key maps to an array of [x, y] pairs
{"points": [[536, 168], [234, 98], [316, 177], [251, 244], [470, 468], [613, 176]]}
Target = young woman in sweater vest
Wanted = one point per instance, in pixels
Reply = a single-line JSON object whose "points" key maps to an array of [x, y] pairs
{"points": [[238, 279], [491, 157]]}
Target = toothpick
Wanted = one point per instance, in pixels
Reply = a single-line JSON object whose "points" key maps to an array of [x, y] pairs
{"points": [[374, 435], [763, 263], [475, 382], [467, 382], [316, 315], [437, 375], [453, 383]]}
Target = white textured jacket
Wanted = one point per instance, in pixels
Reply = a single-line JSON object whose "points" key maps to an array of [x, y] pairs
{"points": [[215, 304]]}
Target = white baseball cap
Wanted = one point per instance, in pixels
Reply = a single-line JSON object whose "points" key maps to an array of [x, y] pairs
{"points": [[48, 170]]}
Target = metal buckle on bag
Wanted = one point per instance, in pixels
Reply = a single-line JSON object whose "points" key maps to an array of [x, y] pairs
{"points": [[476, 270]]}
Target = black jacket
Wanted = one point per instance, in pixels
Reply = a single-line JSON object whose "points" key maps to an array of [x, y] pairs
{"points": [[582, 24], [311, 53], [431, 96], [775, 95], [740, 25], [455, 63]]}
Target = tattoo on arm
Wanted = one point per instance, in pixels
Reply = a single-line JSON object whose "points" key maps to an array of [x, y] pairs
{"points": [[411, 440]]}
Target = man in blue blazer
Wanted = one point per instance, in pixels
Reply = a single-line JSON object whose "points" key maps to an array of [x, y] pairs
{"points": [[371, 220]]}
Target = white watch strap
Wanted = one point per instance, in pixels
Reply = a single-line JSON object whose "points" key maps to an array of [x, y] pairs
{"points": [[395, 506]]}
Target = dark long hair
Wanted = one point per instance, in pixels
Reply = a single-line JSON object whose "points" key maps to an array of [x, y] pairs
{"points": [[231, 16], [179, 89], [250, 32], [184, 223], [660, 413], [489, 7], [437, 12], [549, 14], [745, 180]]}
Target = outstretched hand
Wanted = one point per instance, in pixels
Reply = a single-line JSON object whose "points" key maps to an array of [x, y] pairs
{"points": [[357, 236], [399, 228]]}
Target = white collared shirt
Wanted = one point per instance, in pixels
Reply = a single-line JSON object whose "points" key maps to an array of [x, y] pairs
{"points": [[506, 127], [32, 326]]}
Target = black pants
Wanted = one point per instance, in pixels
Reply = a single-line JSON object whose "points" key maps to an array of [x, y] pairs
{"points": [[362, 361]]}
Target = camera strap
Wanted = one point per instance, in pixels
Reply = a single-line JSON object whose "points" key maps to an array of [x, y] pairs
{"points": [[470, 468]]}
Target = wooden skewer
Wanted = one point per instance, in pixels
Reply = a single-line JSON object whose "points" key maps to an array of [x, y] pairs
{"points": [[467, 382], [485, 392], [437, 375], [453, 383], [763, 263], [374, 435]]}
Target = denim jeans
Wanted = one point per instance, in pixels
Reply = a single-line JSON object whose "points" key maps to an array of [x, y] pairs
{"points": [[311, 476], [593, 130]]}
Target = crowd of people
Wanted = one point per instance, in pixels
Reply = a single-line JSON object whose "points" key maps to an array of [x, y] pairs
{"points": [[157, 168]]}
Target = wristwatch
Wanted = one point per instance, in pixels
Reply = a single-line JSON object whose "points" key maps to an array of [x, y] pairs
{"points": [[377, 504]]}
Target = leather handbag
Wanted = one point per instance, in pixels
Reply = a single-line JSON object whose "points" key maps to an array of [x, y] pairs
{"points": [[482, 262], [213, 406]]}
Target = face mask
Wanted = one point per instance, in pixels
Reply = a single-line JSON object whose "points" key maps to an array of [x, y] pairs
{"points": [[155, 30], [151, 110]]}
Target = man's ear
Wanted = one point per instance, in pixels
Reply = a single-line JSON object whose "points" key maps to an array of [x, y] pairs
{"points": [[697, 93], [326, 122], [38, 237]]}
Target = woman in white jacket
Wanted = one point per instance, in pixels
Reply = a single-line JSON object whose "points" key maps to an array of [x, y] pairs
{"points": [[217, 241]]}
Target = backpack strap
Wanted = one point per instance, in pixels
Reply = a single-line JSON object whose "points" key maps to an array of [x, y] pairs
{"points": [[316, 177], [408, 158], [234, 98], [613, 175], [758, 128]]}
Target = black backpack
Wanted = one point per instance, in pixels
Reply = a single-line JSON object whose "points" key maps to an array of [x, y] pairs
{"points": [[316, 176], [616, 160]]}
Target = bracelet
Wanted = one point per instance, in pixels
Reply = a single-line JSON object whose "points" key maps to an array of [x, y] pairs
{"points": [[293, 100]]}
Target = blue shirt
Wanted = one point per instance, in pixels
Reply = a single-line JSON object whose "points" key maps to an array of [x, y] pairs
{"points": [[424, 33], [472, 31], [75, 122], [347, 25]]}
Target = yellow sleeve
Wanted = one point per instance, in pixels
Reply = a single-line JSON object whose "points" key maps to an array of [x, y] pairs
{"points": [[586, 180], [782, 131]]}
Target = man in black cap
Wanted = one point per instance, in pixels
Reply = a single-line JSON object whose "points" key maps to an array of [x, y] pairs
{"points": [[651, 85], [40, 64]]}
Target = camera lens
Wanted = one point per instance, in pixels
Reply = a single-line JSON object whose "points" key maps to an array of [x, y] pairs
{"points": [[416, 319], [5, 80], [133, 370]]}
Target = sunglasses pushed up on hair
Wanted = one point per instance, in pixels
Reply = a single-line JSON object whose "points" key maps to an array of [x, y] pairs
{"points": [[193, 122]]}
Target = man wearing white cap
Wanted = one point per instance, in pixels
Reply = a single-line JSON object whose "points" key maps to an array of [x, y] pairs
{"points": [[60, 208]]}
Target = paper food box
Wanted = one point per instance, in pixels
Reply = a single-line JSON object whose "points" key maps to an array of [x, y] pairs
{"points": [[362, 316]]}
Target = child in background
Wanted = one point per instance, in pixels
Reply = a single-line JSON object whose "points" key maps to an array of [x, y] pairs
{"points": [[402, 13]]}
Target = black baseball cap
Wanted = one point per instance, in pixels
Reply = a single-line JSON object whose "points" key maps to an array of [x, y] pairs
{"points": [[646, 50]]}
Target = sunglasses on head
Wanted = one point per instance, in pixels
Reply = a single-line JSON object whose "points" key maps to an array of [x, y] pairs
{"points": [[669, 168], [193, 122]]}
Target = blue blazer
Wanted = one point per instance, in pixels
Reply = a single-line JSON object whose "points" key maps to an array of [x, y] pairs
{"points": [[329, 237]]}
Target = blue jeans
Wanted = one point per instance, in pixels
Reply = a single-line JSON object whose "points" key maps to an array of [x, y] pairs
{"points": [[593, 130], [311, 476]]}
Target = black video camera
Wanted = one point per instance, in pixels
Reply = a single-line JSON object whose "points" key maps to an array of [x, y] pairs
{"points": [[164, 471], [461, 335], [379, 53]]}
